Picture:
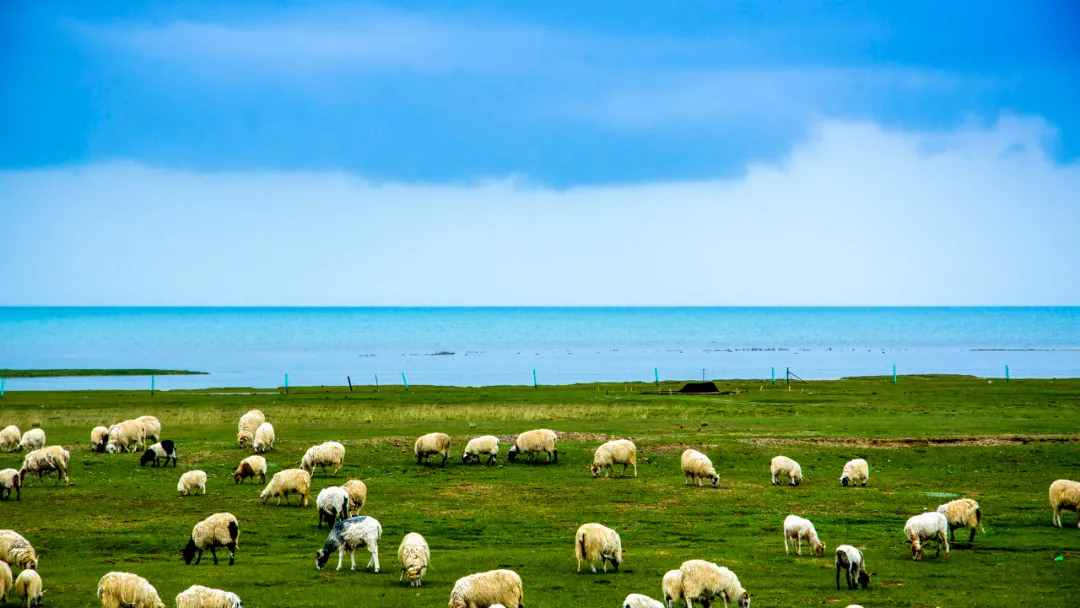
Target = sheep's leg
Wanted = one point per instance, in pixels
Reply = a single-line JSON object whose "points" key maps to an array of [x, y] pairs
{"points": [[798, 545], [232, 553], [775, 481], [635, 469], [374, 555], [786, 550], [198, 558], [837, 576], [340, 556], [946, 541], [444, 458], [971, 537], [213, 553], [579, 564], [352, 559]]}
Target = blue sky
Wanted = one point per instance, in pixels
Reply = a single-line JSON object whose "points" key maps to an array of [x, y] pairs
{"points": [[532, 152]]}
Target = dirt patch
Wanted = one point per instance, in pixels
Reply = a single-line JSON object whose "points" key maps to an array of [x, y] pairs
{"points": [[907, 442]]}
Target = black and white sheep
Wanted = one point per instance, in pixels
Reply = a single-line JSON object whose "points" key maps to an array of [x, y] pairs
{"points": [[349, 535], [159, 454], [332, 504]]}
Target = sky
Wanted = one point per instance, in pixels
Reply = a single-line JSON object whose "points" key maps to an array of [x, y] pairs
{"points": [[539, 153]]}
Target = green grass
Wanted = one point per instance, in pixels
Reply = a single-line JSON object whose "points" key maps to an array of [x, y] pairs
{"points": [[56, 373], [118, 516]]}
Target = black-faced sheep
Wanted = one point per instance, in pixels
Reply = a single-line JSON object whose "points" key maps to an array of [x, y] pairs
{"points": [[484, 445], [349, 535], [159, 454], [851, 561], [532, 443], [217, 530]]}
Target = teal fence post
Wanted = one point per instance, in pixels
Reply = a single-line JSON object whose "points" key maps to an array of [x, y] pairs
{"points": [[376, 383], [1006, 373], [286, 383], [656, 377], [772, 375], [3, 388], [703, 374], [894, 373], [534, 377], [151, 386], [404, 380]]}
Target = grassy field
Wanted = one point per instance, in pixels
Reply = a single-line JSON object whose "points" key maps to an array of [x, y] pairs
{"points": [[1008, 442]]}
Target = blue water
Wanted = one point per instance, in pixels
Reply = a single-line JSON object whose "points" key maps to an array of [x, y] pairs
{"points": [[257, 346]]}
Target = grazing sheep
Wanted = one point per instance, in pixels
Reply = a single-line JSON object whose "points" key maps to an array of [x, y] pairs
{"points": [[264, 438], [151, 428], [704, 581], [10, 481], [252, 466], [962, 513], [332, 504], [532, 443], [782, 465], [927, 526], [637, 600], [597, 543], [249, 423], [9, 438], [855, 471], [488, 589], [217, 530], [697, 467], [99, 438], [32, 440], [357, 491], [46, 460], [671, 585], [850, 560], [430, 445], [349, 535], [327, 454], [796, 529], [1064, 496], [6, 581], [160, 453], [483, 445], [16, 550], [125, 436], [414, 555], [284, 483], [192, 483], [29, 587], [127, 590], [197, 596], [616, 451]]}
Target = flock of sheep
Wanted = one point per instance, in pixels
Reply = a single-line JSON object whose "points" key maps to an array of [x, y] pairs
{"points": [[696, 580]]}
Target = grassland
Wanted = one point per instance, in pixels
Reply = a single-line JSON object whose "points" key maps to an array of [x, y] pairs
{"points": [[1010, 440], [57, 373]]}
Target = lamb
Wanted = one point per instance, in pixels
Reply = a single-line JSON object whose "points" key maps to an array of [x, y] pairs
{"points": [[782, 465], [9, 438], [197, 596], [927, 526], [217, 530], [46, 460], [671, 585], [1064, 496], [327, 454], [414, 555], [962, 513], [697, 467], [99, 438], [159, 454], [349, 535], [595, 542], [332, 504], [127, 590], [151, 428], [855, 471], [17, 551], [532, 443], [637, 600], [249, 423], [616, 451], [357, 491], [28, 586], [192, 483], [432, 444], [6, 581], [488, 589], [483, 445], [796, 529], [10, 481], [125, 436], [286, 482], [264, 438], [33, 439], [251, 466], [851, 561], [704, 581]]}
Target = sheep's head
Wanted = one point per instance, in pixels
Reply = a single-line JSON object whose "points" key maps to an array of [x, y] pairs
{"points": [[243, 438], [413, 573], [819, 547], [864, 579], [512, 453], [147, 457], [321, 556], [596, 469], [744, 600], [916, 549], [715, 479], [188, 552], [112, 448], [844, 480]]}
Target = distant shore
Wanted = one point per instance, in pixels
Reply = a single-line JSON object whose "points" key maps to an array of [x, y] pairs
{"points": [[60, 373]]}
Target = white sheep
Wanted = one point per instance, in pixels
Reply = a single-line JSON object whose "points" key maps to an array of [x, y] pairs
{"points": [[782, 465], [637, 600], [192, 483], [484, 445], [325, 455], [46, 460], [127, 590], [250, 467], [264, 438], [851, 561], [797, 529], [6, 581], [9, 438], [927, 526], [10, 481], [532, 443], [962, 513], [432, 444], [332, 504], [704, 581], [616, 451], [17, 551], [597, 543], [217, 530], [151, 428], [29, 587], [671, 586], [286, 482], [349, 535], [1064, 496], [357, 491], [697, 467], [125, 436], [488, 589], [249, 423], [32, 440], [856, 471], [197, 596], [99, 438], [414, 555]]}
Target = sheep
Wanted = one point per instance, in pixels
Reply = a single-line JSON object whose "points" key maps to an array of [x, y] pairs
{"points": [[595, 542], [125, 436], [192, 483], [616, 451], [28, 586], [703, 581], [151, 427], [160, 453], [197, 596], [249, 423], [264, 438], [1064, 496], [432, 444], [357, 491], [349, 535], [32, 440], [127, 590], [782, 465], [927, 526], [671, 585], [962, 513], [327, 454], [286, 482], [697, 467], [796, 529], [533, 442], [46, 460], [488, 589], [414, 555], [483, 445], [9, 438], [6, 581], [332, 504], [17, 551], [855, 471], [99, 438], [10, 481], [251, 466], [637, 600], [851, 561], [217, 530]]}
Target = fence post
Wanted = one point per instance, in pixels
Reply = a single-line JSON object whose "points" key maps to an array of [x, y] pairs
{"points": [[404, 380], [376, 383], [3, 387], [772, 375], [151, 386], [286, 383], [656, 376], [894, 373], [349, 380], [534, 377], [1006, 372], [703, 374]]}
